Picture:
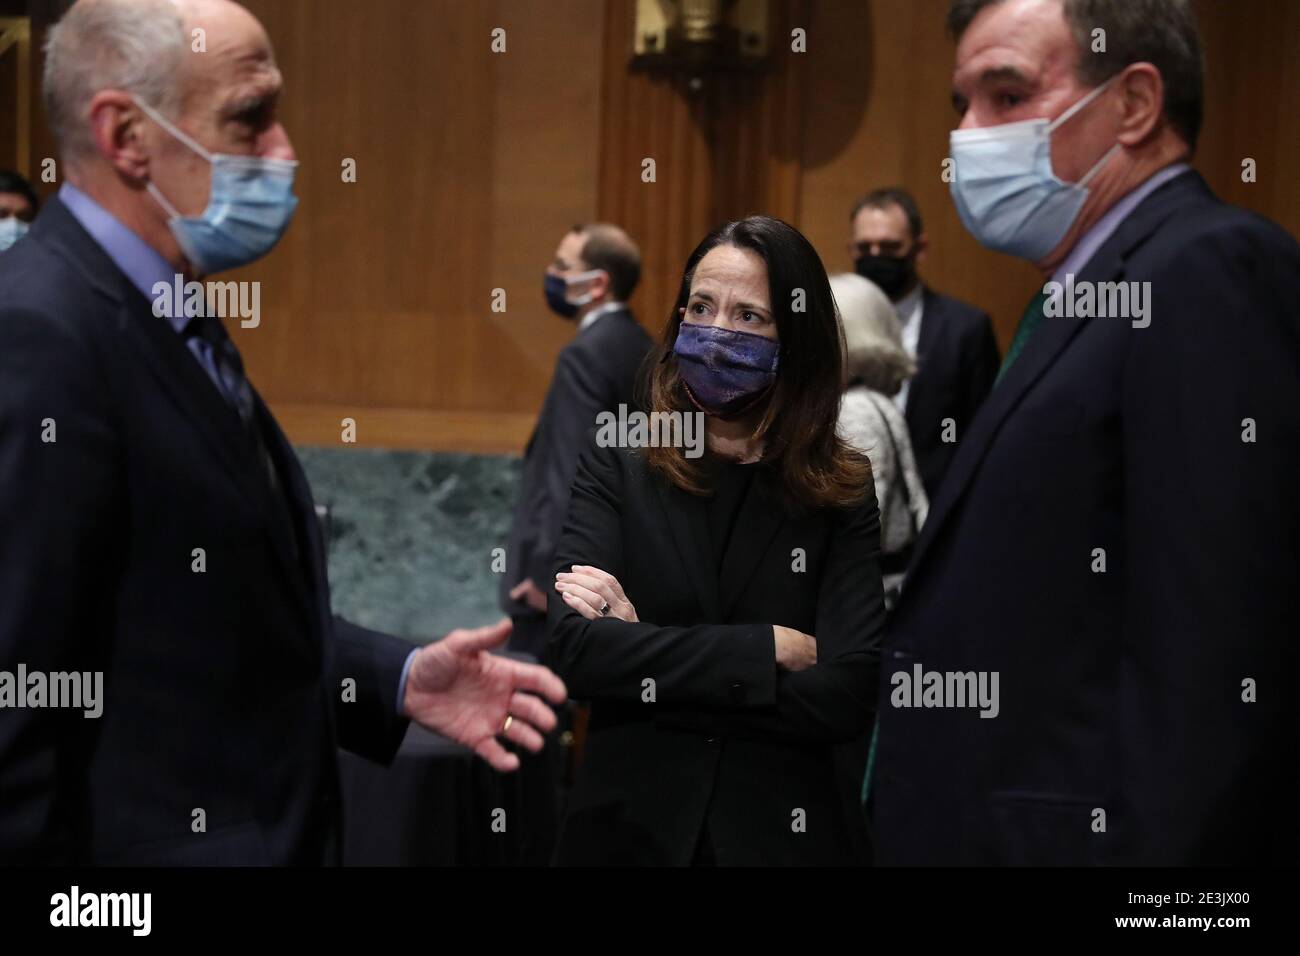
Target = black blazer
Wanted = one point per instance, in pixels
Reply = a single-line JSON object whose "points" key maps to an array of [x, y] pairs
{"points": [[596, 371], [956, 363], [1121, 690], [222, 688], [728, 738]]}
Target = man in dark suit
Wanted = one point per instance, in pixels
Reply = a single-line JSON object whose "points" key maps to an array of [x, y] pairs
{"points": [[158, 540], [953, 344], [594, 272], [1116, 538]]}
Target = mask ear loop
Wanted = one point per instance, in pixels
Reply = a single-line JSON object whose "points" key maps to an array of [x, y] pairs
{"points": [[1054, 124], [582, 277], [156, 193], [176, 133], [1100, 163]]}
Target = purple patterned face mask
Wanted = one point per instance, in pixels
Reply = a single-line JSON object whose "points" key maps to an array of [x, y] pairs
{"points": [[725, 371]]}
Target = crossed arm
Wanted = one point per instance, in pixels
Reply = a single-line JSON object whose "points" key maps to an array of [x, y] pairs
{"points": [[760, 680]]}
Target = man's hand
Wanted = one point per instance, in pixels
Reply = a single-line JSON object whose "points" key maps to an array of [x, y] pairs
{"points": [[530, 594], [457, 689]]}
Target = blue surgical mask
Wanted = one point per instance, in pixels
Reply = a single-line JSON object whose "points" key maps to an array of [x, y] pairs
{"points": [[1005, 191], [556, 288], [249, 207], [11, 230]]}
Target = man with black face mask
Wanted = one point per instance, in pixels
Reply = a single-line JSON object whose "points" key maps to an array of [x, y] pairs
{"points": [[952, 342], [591, 276]]}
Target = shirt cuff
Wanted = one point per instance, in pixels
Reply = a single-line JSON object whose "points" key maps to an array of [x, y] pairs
{"points": [[401, 683]]}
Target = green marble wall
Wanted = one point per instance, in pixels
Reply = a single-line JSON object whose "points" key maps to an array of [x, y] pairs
{"points": [[412, 533]]}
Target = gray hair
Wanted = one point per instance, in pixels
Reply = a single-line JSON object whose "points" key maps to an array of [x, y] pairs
{"points": [[136, 46], [873, 342], [1160, 32]]}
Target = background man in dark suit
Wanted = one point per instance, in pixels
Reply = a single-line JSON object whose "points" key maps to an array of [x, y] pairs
{"points": [[594, 272], [1116, 536], [155, 525], [953, 343]]}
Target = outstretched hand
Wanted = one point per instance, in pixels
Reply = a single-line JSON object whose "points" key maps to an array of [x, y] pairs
{"points": [[458, 689]]}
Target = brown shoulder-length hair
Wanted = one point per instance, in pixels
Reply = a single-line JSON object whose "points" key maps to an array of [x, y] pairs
{"points": [[813, 466]]}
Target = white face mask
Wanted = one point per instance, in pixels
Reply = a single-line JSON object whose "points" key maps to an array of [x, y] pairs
{"points": [[11, 230], [1006, 194], [578, 279]]}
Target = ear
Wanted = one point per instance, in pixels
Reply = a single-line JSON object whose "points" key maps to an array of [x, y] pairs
{"points": [[1142, 93], [117, 127], [922, 244], [602, 286]]}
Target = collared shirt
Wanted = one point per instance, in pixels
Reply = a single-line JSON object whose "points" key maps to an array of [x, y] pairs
{"points": [[591, 317], [1105, 227], [909, 309], [140, 262]]}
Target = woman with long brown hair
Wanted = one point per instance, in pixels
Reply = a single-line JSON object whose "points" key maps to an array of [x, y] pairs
{"points": [[712, 729]]}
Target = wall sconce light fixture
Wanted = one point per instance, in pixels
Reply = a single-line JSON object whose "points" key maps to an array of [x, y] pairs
{"points": [[695, 37]]}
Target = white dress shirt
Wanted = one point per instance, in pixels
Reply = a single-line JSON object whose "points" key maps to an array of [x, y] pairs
{"points": [[596, 313], [909, 309]]}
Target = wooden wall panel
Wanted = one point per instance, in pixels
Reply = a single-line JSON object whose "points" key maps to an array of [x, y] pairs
{"points": [[727, 149], [42, 14], [647, 117], [473, 164], [1252, 104]]}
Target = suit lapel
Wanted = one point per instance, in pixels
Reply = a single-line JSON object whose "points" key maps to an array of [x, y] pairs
{"points": [[156, 342], [176, 370], [1042, 350], [302, 514], [187, 384], [688, 523]]}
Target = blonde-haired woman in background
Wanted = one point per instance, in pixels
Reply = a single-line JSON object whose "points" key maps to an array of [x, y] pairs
{"points": [[876, 366]]}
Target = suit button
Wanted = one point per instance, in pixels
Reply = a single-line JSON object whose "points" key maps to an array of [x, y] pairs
{"points": [[738, 693], [708, 740]]}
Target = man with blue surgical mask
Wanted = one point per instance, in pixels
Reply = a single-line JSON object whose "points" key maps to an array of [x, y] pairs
{"points": [[1112, 553], [155, 525], [592, 274], [18, 205]]}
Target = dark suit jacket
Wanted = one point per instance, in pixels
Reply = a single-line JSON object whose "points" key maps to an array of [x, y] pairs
{"points": [[222, 688], [956, 363], [1121, 691], [595, 372], [728, 738]]}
